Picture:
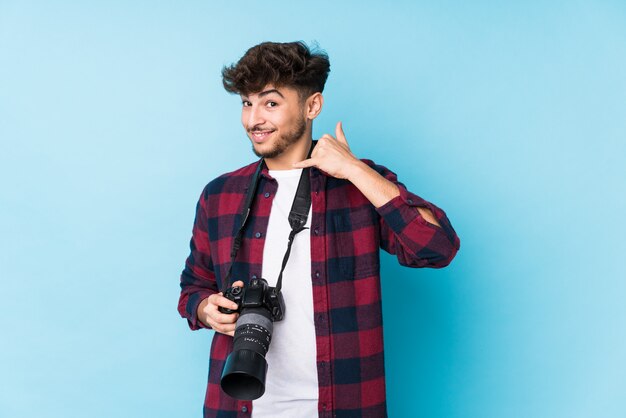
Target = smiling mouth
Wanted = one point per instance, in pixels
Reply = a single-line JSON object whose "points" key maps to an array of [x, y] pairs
{"points": [[260, 136]]}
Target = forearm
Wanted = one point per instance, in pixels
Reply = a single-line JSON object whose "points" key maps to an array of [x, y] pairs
{"points": [[197, 281], [378, 190], [193, 296]]}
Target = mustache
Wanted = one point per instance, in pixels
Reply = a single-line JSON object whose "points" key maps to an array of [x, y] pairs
{"points": [[258, 129]]}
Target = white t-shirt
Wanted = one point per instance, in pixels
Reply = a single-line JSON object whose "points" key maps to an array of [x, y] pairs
{"points": [[291, 386]]}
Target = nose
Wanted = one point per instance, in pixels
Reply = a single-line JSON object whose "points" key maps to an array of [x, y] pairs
{"points": [[253, 116]]}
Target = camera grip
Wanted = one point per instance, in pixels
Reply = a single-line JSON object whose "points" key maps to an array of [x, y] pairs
{"points": [[234, 294]]}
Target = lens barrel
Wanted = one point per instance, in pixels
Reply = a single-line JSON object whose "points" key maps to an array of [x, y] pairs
{"points": [[245, 369]]}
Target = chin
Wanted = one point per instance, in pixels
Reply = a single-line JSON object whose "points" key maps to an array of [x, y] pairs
{"points": [[263, 147], [265, 150]]}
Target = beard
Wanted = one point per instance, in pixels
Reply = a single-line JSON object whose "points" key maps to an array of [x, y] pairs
{"points": [[284, 141]]}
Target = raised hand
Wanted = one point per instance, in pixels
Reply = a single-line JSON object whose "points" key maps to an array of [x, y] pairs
{"points": [[332, 155]]}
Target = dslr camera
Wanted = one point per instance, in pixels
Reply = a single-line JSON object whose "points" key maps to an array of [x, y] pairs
{"points": [[259, 305]]}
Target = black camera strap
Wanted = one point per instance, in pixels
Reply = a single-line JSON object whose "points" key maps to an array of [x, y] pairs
{"points": [[297, 217]]}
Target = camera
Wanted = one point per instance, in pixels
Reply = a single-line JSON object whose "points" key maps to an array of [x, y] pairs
{"points": [[259, 305]]}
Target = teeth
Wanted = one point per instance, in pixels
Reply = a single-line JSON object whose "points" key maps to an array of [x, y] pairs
{"points": [[261, 134]]}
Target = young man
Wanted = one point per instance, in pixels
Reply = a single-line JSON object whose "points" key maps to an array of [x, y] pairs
{"points": [[326, 355]]}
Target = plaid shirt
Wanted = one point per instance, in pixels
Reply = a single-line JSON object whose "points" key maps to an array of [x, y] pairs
{"points": [[346, 233]]}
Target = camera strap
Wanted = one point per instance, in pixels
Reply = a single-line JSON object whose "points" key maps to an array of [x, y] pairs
{"points": [[297, 217]]}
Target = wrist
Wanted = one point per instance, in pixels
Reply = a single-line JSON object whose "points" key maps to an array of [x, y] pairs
{"points": [[200, 316], [356, 170]]}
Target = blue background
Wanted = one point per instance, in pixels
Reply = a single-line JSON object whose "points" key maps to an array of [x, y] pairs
{"points": [[511, 117]]}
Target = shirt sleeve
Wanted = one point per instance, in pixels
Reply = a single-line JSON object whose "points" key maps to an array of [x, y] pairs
{"points": [[405, 233], [197, 281]]}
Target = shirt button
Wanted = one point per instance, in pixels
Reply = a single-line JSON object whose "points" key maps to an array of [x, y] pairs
{"points": [[266, 194], [254, 276], [324, 406], [317, 274], [244, 409], [257, 235], [410, 201], [316, 231]]}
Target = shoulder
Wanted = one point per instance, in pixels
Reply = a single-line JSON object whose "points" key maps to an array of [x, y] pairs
{"points": [[232, 182]]}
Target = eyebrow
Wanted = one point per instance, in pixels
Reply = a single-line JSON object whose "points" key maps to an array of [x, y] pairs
{"points": [[266, 92]]}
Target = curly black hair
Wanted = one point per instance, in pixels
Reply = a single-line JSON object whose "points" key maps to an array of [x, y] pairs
{"points": [[290, 64]]}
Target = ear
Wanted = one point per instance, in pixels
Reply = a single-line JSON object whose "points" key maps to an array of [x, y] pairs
{"points": [[313, 105]]}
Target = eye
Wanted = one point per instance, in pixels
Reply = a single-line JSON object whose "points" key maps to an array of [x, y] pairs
{"points": [[272, 104], [246, 103]]}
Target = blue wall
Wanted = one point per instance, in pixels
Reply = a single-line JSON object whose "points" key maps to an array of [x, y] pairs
{"points": [[510, 117]]}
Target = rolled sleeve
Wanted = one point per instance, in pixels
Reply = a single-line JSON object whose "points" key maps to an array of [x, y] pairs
{"points": [[404, 232]]}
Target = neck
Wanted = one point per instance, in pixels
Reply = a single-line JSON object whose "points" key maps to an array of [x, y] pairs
{"points": [[294, 154]]}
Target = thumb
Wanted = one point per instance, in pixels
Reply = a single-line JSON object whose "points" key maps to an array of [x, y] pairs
{"points": [[238, 283], [341, 137], [304, 164]]}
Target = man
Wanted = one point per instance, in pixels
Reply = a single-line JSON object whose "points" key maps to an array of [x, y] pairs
{"points": [[326, 355]]}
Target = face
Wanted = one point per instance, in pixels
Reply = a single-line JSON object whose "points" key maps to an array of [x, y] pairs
{"points": [[274, 120]]}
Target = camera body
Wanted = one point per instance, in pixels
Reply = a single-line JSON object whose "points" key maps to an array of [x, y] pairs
{"points": [[258, 294]]}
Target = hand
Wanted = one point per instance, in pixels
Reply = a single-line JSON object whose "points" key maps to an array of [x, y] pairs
{"points": [[332, 155], [209, 315]]}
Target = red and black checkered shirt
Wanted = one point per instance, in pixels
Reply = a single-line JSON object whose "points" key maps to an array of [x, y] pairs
{"points": [[346, 234]]}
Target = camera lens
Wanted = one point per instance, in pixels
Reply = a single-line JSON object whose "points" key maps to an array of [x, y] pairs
{"points": [[244, 373], [254, 331]]}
